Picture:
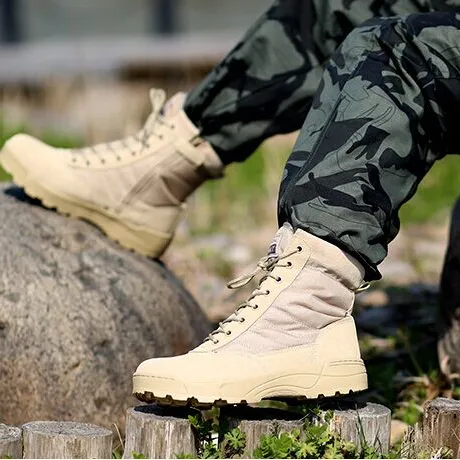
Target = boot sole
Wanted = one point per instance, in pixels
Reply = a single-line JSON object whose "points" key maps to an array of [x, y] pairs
{"points": [[139, 240], [351, 377]]}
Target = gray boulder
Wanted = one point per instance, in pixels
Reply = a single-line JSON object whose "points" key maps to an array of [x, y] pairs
{"points": [[77, 315]]}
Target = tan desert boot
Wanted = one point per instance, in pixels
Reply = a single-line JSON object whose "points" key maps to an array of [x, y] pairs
{"points": [[294, 337], [133, 189]]}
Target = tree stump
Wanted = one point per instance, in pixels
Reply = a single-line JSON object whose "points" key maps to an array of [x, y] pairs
{"points": [[10, 442], [165, 432], [77, 315], [158, 432], [449, 303], [66, 440], [255, 423], [441, 426], [369, 422]]}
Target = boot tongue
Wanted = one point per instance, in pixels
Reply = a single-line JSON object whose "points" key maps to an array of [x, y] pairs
{"points": [[280, 241], [174, 105]]}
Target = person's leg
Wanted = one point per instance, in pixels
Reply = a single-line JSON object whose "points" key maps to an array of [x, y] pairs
{"points": [[265, 85], [382, 116], [386, 110], [135, 189]]}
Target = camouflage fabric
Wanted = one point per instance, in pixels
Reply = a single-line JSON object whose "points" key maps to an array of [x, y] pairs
{"points": [[387, 108], [265, 85], [384, 111]]}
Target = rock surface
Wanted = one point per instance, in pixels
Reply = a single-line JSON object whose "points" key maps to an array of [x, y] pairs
{"points": [[77, 315]]}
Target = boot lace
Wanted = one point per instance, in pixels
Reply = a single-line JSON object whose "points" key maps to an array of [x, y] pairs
{"points": [[265, 265], [135, 143]]}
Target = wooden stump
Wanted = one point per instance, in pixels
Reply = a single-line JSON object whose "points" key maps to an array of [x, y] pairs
{"points": [[441, 426], [66, 440], [255, 423], [165, 433], [370, 423], [158, 432], [77, 315], [10, 442]]}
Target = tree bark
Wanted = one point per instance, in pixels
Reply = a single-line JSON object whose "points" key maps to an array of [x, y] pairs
{"points": [[66, 440], [157, 432], [10, 442], [441, 427]]}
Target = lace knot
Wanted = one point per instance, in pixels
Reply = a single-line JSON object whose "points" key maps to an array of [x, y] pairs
{"points": [[152, 127]]}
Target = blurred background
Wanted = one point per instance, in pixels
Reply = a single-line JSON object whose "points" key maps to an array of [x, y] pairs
{"points": [[76, 72], [57, 52]]}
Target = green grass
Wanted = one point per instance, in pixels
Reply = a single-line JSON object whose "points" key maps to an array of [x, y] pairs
{"points": [[436, 194], [241, 198], [248, 194]]}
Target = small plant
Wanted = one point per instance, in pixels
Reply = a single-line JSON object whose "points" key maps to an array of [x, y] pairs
{"points": [[204, 432], [234, 443], [314, 440], [118, 450]]}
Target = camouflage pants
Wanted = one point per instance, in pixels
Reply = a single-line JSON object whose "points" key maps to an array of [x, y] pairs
{"points": [[387, 108], [265, 85]]}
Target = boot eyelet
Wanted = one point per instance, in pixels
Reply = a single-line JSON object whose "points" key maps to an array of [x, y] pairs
{"points": [[278, 279], [289, 264], [215, 342], [228, 333], [267, 292], [255, 307], [242, 320], [299, 248]]}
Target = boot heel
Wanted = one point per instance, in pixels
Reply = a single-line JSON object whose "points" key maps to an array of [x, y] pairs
{"points": [[342, 377]]}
